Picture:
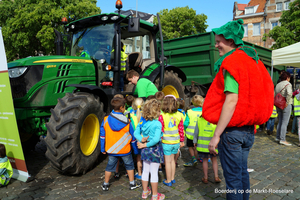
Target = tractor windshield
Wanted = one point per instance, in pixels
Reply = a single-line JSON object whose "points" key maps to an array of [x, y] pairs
{"points": [[95, 42]]}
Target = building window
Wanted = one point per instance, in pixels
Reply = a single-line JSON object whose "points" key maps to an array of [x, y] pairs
{"points": [[256, 29], [274, 24], [245, 30], [278, 6], [287, 5], [249, 10]]}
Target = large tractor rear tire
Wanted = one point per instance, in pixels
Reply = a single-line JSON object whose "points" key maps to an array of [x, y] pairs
{"points": [[172, 84], [73, 142]]}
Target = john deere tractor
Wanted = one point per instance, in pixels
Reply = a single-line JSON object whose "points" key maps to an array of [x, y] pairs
{"points": [[65, 97]]}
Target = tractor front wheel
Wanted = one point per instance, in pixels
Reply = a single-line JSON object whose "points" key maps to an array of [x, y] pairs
{"points": [[73, 142]]}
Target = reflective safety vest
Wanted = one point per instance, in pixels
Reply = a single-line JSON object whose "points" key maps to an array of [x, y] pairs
{"points": [[8, 172], [171, 122], [117, 142], [296, 107], [134, 121], [274, 113], [193, 116], [206, 132], [123, 60]]}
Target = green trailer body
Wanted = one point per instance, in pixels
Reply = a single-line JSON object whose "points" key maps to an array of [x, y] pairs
{"points": [[195, 55]]}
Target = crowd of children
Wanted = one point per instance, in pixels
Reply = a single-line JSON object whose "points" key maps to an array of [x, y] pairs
{"points": [[153, 132]]}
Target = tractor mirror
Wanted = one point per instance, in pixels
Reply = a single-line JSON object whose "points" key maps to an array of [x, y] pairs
{"points": [[134, 24]]}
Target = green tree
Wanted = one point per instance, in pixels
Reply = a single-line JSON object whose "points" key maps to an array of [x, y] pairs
{"points": [[181, 21], [28, 25], [289, 31]]}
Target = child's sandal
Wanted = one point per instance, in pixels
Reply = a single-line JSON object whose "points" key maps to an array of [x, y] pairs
{"points": [[218, 180], [204, 180]]}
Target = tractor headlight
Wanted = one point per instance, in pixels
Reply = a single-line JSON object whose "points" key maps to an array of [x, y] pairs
{"points": [[16, 72]]}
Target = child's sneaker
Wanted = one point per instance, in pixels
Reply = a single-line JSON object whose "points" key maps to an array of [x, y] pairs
{"points": [[105, 187], [160, 170], [200, 160], [135, 185], [209, 160], [189, 164], [117, 175], [194, 161], [137, 176], [158, 197], [145, 195]]}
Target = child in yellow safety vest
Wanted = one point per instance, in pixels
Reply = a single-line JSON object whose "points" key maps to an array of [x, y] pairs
{"points": [[189, 127], [116, 137], [173, 136], [136, 116], [6, 170], [297, 112], [203, 133], [271, 121]]}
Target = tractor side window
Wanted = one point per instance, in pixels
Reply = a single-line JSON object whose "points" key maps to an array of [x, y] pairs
{"points": [[138, 44]]}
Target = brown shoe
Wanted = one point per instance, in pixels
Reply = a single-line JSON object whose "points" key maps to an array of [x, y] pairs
{"points": [[204, 180], [218, 180]]}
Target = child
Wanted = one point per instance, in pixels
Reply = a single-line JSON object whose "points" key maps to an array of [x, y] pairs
{"points": [[204, 131], [129, 100], [6, 170], [173, 136], [159, 96], [136, 116], [149, 133], [189, 126], [271, 121], [117, 129], [181, 105]]}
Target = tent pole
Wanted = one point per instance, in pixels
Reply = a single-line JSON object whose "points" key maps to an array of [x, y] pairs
{"points": [[272, 71]]}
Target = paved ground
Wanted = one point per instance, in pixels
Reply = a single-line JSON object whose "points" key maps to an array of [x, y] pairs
{"points": [[276, 176]]}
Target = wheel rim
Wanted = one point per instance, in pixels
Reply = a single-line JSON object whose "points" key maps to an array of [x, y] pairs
{"points": [[170, 90], [89, 134]]}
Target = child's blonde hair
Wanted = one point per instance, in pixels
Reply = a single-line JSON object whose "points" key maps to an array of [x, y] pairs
{"points": [[180, 103], [119, 95], [137, 105], [197, 100], [151, 109], [169, 104]]}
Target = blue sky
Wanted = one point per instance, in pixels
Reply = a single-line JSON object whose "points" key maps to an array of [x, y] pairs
{"points": [[218, 12]]}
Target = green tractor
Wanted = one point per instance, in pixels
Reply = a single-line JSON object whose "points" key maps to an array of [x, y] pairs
{"points": [[65, 97]]}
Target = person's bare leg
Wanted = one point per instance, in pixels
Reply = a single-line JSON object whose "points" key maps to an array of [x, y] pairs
{"points": [[145, 186], [192, 151], [130, 175], [215, 166], [107, 176], [173, 166], [195, 152], [168, 168], [154, 187], [176, 157], [139, 165], [205, 167]]}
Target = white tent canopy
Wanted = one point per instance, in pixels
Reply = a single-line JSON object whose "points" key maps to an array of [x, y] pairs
{"points": [[288, 56]]}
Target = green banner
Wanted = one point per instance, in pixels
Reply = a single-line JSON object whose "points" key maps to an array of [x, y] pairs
{"points": [[9, 134]]}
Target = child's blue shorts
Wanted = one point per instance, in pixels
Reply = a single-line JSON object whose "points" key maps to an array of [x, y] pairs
{"points": [[113, 160], [170, 148]]}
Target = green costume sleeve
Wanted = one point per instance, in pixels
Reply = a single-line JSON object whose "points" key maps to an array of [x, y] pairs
{"points": [[230, 84]]}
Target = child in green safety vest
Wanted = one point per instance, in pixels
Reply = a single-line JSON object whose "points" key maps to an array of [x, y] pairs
{"points": [[203, 133], [181, 106], [6, 170], [189, 124], [297, 112], [271, 121]]}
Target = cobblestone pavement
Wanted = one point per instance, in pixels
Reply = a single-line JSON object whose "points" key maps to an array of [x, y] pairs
{"points": [[276, 176]]}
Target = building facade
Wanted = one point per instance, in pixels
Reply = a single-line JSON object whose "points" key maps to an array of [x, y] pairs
{"points": [[260, 16]]}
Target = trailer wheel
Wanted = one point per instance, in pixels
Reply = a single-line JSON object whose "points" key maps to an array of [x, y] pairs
{"points": [[172, 84], [73, 142]]}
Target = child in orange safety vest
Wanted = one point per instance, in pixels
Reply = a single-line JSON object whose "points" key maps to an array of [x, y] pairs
{"points": [[116, 135]]}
